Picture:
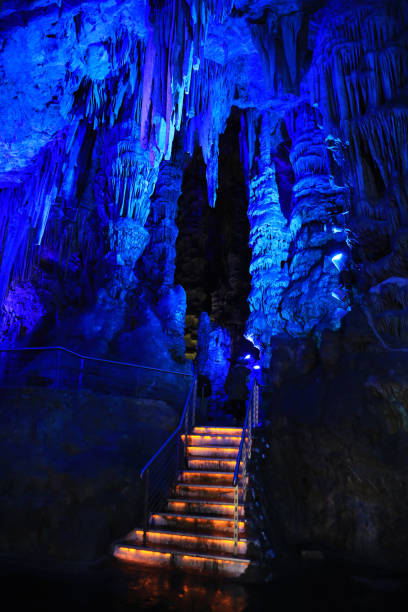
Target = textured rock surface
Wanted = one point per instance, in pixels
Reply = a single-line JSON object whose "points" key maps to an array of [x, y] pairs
{"points": [[213, 355], [70, 467], [323, 488], [330, 466]]}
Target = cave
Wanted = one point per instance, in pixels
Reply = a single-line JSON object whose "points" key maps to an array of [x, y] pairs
{"points": [[188, 190]]}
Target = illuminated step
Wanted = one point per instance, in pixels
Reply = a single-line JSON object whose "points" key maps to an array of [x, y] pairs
{"points": [[212, 440], [202, 543], [208, 564], [210, 463], [226, 452], [192, 506], [196, 523], [207, 477], [207, 492], [231, 431]]}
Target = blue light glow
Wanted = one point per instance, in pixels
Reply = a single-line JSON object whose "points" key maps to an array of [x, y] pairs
{"points": [[257, 367], [337, 260], [247, 356], [339, 294], [251, 340]]}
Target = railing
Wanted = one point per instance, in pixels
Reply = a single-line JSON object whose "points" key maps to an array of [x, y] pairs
{"points": [[244, 455], [162, 470], [59, 367]]}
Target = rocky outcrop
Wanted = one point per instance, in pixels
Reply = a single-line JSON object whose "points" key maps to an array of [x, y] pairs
{"points": [[330, 465], [269, 240], [213, 356], [322, 487], [70, 465]]}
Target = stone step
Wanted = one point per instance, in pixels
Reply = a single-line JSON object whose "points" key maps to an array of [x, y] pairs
{"points": [[213, 525], [200, 543], [220, 493], [212, 440], [195, 531], [194, 562], [224, 452], [218, 431], [206, 477], [202, 507], [211, 464]]}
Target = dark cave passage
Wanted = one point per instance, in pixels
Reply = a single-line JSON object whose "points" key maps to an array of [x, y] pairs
{"points": [[212, 252]]}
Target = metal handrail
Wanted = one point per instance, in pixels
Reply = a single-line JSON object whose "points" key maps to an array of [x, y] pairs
{"points": [[169, 452], [156, 492], [183, 416], [244, 454], [99, 359]]}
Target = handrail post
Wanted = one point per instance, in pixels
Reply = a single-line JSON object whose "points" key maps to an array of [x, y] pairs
{"points": [[81, 370], [244, 473], [58, 376], [146, 507], [185, 434], [236, 521], [248, 447], [178, 454], [256, 397], [194, 400]]}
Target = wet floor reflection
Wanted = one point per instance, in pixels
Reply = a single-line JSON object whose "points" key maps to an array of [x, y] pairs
{"points": [[165, 591], [114, 588]]}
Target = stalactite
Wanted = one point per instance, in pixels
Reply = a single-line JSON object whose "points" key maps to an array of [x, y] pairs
{"points": [[264, 37], [101, 101], [210, 101], [24, 218], [247, 139], [158, 262], [360, 63], [175, 50], [290, 25], [155, 79]]}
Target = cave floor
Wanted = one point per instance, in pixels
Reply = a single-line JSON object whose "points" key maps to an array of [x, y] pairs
{"points": [[106, 586]]}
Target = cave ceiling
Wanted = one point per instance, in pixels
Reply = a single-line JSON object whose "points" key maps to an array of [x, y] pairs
{"points": [[101, 102]]}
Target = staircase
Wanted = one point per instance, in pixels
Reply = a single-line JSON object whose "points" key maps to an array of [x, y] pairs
{"points": [[195, 532]]}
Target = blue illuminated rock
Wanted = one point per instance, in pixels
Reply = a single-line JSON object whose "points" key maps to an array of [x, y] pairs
{"points": [[213, 355], [114, 82]]}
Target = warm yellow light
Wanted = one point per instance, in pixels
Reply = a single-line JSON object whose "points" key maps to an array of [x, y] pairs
{"points": [[219, 522], [213, 460], [127, 554], [213, 489], [218, 429], [206, 473], [222, 561], [206, 449], [204, 506]]}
